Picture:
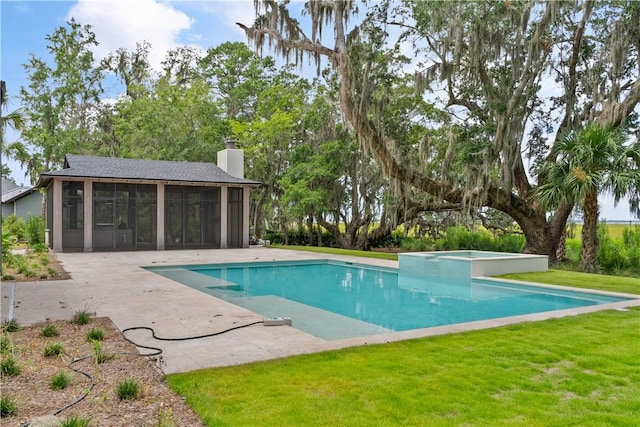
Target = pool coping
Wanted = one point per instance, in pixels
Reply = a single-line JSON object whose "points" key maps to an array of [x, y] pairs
{"points": [[114, 285]]}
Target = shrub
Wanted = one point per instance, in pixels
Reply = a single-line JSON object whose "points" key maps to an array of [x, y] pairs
{"points": [[415, 245], [13, 226], [573, 250], [50, 330], [511, 242], [10, 367], [41, 248], [95, 334], [82, 317], [34, 230], [53, 349], [76, 421], [128, 389], [8, 240], [10, 326], [8, 407], [60, 380]]}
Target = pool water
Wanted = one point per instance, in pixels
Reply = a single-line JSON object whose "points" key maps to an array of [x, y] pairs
{"points": [[335, 300]]}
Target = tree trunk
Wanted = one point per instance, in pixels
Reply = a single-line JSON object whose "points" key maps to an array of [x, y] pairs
{"points": [[561, 250], [590, 232]]}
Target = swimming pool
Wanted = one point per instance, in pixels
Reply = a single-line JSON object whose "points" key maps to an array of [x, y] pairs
{"points": [[336, 300]]}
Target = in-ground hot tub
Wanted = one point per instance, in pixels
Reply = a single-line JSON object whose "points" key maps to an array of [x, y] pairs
{"points": [[463, 265]]}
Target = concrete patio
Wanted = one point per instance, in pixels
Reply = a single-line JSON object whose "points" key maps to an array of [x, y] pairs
{"points": [[113, 285]]}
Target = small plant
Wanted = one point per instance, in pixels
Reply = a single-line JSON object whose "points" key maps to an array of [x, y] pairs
{"points": [[10, 367], [8, 277], [100, 355], [82, 317], [128, 389], [8, 407], [165, 418], [6, 345], [76, 421], [50, 330], [60, 380], [53, 349], [44, 259], [10, 326], [52, 272], [95, 334]]}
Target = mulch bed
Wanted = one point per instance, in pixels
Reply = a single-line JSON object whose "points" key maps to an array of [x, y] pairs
{"points": [[31, 390]]}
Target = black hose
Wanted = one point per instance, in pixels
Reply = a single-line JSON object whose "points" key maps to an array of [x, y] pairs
{"points": [[81, 398], [157, 351]]}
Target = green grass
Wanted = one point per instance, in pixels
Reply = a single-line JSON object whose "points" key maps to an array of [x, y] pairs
{"points": [[581, 280], [571, 371], [579, 370], [336, 251]]}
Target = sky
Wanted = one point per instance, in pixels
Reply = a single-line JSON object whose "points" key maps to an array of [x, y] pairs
{"points": [[123, 23]]}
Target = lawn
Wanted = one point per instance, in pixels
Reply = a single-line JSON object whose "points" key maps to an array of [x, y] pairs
{"points": [[580, 370]]}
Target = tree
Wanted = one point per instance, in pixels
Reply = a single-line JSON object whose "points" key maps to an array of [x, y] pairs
{"points": [[237, 76], [589, 163], [59, 101], [487, 61], [133, 68], [172, 121], [14, 120]]}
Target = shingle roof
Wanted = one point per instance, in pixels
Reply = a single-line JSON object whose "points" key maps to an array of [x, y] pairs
{"points": [[79, 166], [16, 193]]}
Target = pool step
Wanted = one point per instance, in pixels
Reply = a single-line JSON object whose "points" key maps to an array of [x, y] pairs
{"points": [[321, 323]]}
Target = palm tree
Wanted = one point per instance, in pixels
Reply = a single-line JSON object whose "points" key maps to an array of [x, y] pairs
{"points": [[588, 163], [14, 120]]}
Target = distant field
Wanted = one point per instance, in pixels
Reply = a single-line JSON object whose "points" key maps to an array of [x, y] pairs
{"points": [[615, 230]]}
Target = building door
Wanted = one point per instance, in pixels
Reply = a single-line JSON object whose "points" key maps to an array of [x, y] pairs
{"points": [[124, 216], [72, 216], [192, 217]]}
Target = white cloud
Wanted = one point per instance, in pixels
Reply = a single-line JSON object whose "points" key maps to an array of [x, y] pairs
{"points": [[123, 23], [227, 13]]}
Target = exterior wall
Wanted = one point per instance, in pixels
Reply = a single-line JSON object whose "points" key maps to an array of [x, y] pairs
{"points": [[31, 204], [7, 209]]}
